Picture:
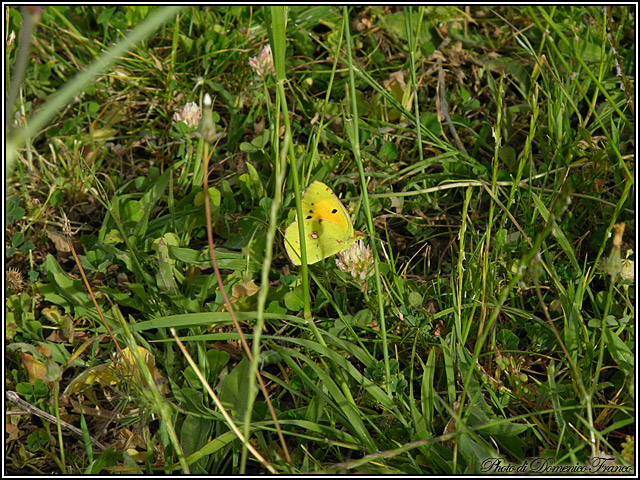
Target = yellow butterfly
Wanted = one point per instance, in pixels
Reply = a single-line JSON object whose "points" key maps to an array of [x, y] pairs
{"points": [[327, 226]]}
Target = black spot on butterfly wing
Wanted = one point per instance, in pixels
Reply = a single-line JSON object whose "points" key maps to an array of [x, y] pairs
{"points": [[334, 211]]}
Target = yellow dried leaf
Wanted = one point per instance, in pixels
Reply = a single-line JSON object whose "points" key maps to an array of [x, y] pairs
{"points": [[245, 289], [117, 373]]}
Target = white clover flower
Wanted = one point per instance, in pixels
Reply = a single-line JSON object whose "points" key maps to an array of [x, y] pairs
{"points": [[358, 261], [628, 270], [189, 114], [263, 62]]}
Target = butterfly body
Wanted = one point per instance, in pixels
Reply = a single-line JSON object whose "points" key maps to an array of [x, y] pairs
{"points": [[327, 226]]}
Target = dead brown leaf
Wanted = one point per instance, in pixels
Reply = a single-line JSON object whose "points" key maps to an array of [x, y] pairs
{"points": [[35, 368], [59, 241], [244, 289], [13, 432]]}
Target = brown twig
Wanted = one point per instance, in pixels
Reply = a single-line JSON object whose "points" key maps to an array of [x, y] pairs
{"points": [[13, 397]]}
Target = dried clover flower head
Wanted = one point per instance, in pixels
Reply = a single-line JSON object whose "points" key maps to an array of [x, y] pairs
{"points": [[14, 279]]}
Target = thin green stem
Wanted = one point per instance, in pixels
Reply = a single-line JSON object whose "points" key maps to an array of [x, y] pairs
{"points": [[408, 21], [56, 397]]}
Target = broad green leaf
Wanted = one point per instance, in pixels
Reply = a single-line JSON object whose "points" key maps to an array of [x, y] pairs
{"points": [[194, 435], [234, 392]]}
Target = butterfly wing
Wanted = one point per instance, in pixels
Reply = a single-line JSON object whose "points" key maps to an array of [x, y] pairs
{"points": [[292, 243], [323, 240], [319, 202], [327, 226]]}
